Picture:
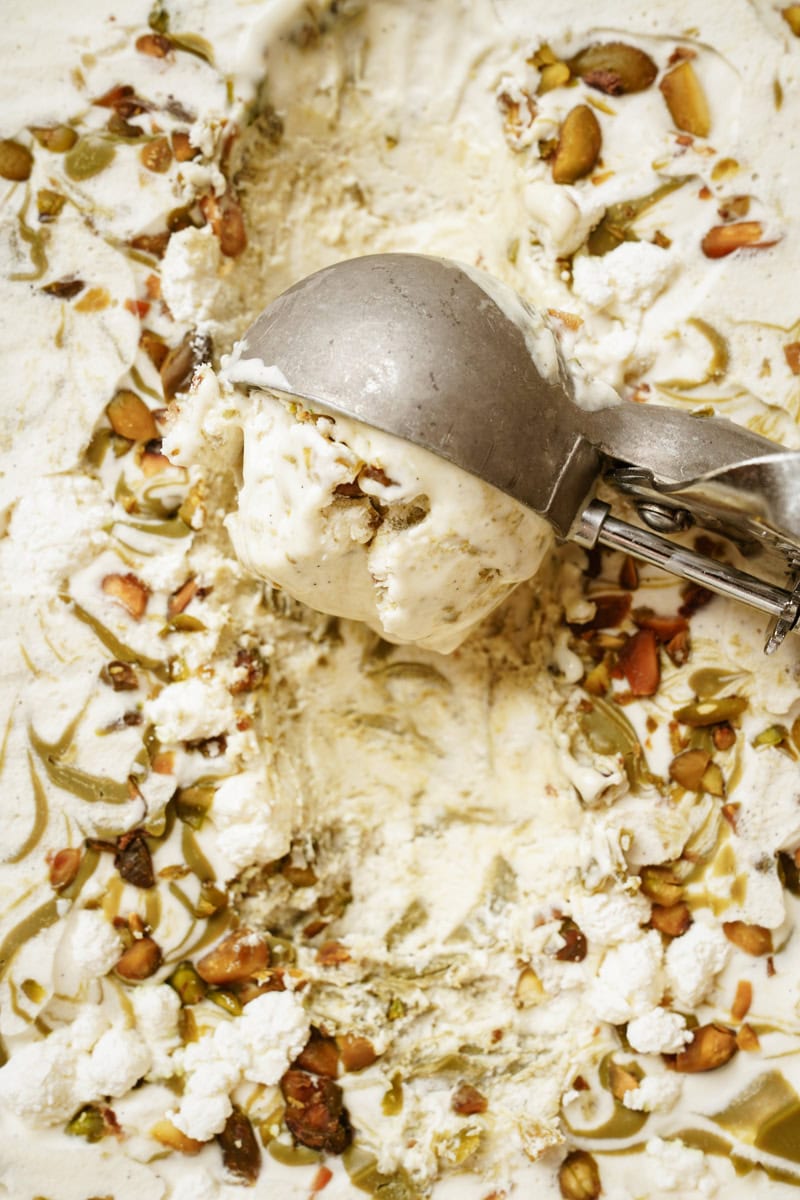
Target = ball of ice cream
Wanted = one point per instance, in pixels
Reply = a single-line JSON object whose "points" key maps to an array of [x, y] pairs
{"points": [[360, 524]]}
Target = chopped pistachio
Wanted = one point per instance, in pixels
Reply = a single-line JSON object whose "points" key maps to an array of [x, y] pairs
{"points": [[753, 939], [686, 100], [688, 768], [241, 1152], [187, 983], [89, 1123], [614, 68], [49, 204], [660, 885], [16, 161], [396, 1009], [225, 1000], [579, 1177], [55, 138], [710, 1048], [712, 711], [579, 144]]}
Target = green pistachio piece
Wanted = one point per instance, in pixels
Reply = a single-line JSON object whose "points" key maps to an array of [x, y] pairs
{"points": [[89, 1123], [187, 983]]}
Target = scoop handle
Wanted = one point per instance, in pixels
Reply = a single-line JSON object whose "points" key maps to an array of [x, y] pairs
{"points": [[597, 525]]}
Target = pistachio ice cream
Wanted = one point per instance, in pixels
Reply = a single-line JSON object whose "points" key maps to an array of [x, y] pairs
{"points": [[297, 902]]}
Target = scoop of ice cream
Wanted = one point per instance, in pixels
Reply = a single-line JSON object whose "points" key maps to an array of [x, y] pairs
{"points": [[360, 524]]}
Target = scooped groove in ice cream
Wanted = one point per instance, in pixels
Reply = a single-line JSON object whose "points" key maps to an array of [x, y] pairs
{"points": [[358, 523]]}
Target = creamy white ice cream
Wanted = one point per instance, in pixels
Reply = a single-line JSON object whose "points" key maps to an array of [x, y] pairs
{"points": [[359, 524]]}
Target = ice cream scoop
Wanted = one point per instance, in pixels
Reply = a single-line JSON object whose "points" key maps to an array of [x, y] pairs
{"points": [[413, 345]]}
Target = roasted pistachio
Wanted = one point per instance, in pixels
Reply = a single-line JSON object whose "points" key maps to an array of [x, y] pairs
{"points": [[356, 1052], [155, 244], [169, 1135], [723, 736], [579, 1177], [129, 591], [182, 147], [614, 68], [753, 939], [552, 75], [686, 100], [134, 861], [710, 1048], [130, 417], [723, 240], [141, 960], [578, 146], [791, 15], [238, 956], [120, 676], [56, 138], [179, 365], [672, 920], [241, 1152], [226, 218], [701, 713], [49, 204], [467, 1101], [88, 157], [574, 948], [156, 156], [529, 989], [747, 1039], [64, 867], [320, 1055], [660, 885], [155, 45], [315, 1113], [734, 208], [16, 161], [713, 780], [688, 768], [622, 1079], [742, 1000], [789, 872], [182, 597], [638, 660], [776, 736], [332, 954], [64, 289]]}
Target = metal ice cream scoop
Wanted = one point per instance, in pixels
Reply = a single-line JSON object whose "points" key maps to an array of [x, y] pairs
{"points": [[446, 357]]}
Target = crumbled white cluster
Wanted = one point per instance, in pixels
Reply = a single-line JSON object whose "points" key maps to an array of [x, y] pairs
{"points": [[445, 551], [608, 918], [157, 1009], [94, 943], [629, 981], [680, 1169], [658, 1032], [655, 1093], [693, 962], [45, 1082], [192, 709], [256, 1047], [251, 827]]}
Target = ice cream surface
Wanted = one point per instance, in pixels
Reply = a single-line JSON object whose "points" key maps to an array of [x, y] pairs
{"points": [[287, 905], [359, 524]]}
